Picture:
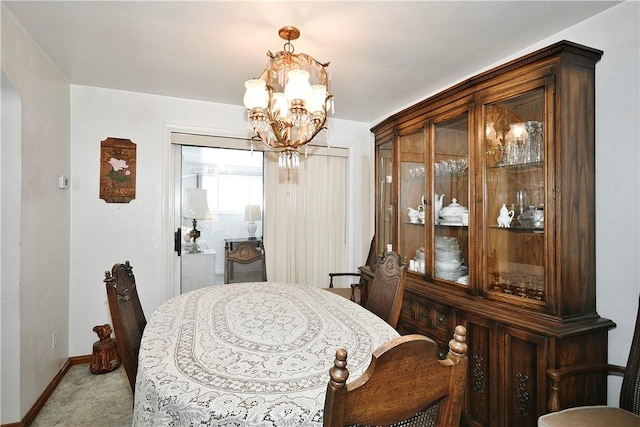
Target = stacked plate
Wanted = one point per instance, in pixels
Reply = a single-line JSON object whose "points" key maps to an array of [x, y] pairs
{"points": [[452, 275], [448, 258]]}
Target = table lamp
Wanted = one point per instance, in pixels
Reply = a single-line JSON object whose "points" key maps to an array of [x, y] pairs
{"points": [[194, 206], [252, 213]]}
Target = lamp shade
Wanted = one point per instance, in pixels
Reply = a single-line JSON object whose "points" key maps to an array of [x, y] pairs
{"points": [[252, 213], [318, 99], [298, 86], [195, 204], [256, 95]]}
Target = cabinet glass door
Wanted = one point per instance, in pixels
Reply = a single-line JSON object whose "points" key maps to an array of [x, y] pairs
{"points": [[411, 200], [385, 211], [514, 252], [451, 199]]}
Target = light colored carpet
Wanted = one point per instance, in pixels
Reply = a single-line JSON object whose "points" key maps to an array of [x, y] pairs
{"points": [[84, 399]]}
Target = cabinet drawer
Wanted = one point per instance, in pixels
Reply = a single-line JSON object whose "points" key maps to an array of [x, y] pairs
{"points": [[437, 320]]}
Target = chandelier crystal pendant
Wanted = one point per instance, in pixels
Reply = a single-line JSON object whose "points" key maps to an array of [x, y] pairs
{"points": [[288, 104]]}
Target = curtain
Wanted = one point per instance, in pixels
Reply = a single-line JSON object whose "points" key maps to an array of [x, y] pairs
{"points": [[305, 218]]}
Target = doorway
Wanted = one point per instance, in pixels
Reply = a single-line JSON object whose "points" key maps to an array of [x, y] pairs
{"points": [[222, 193]]}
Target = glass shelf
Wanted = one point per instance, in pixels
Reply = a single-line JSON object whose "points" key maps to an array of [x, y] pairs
{"points": [[517, 229], [515, 166]]}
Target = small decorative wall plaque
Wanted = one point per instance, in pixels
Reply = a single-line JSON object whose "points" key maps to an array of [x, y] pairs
{"points": [[117, 170]]}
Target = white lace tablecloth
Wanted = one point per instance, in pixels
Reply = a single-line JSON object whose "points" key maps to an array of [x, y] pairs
{"points": [[249, 354]]}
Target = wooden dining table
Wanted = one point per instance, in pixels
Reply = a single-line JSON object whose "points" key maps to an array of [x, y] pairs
{"points": [[249, 354]]}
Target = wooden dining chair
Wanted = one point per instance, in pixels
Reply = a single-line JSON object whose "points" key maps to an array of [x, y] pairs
{"points": [[245, 263], [387, 289], [628, 414], [405, 385], [127, 316], [353, 292]]}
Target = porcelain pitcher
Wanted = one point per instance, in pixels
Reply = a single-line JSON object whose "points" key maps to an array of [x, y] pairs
{"points": [[505, 218]]}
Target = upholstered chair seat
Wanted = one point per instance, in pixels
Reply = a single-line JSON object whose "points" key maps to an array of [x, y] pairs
{"points": [[592, 416]]}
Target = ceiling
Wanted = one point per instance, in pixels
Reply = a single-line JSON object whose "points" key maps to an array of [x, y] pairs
{"points": [[384, 55]]}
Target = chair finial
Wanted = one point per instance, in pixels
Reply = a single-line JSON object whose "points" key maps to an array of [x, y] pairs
{"points": [[339, 373], [458, 345]]}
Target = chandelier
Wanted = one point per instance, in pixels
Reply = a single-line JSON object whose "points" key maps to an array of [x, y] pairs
{"points": [[288, 104]]}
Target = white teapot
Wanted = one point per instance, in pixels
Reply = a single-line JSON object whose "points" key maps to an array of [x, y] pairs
{"points": [[505, 218]]}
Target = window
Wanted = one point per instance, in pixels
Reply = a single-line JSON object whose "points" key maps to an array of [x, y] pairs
{"points": [[232, 178]]}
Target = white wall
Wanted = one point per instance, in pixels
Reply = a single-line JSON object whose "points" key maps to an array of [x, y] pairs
{"points": [[9, 251], [105, 233], [44, 232]]}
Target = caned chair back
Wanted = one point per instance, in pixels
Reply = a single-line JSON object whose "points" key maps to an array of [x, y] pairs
{"points": [[127, 316], [630, 392], [387, 289], [245, 263], [404, 385]]}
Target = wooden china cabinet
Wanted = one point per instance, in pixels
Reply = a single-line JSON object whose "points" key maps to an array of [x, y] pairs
{"points": [[513, 256]]}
